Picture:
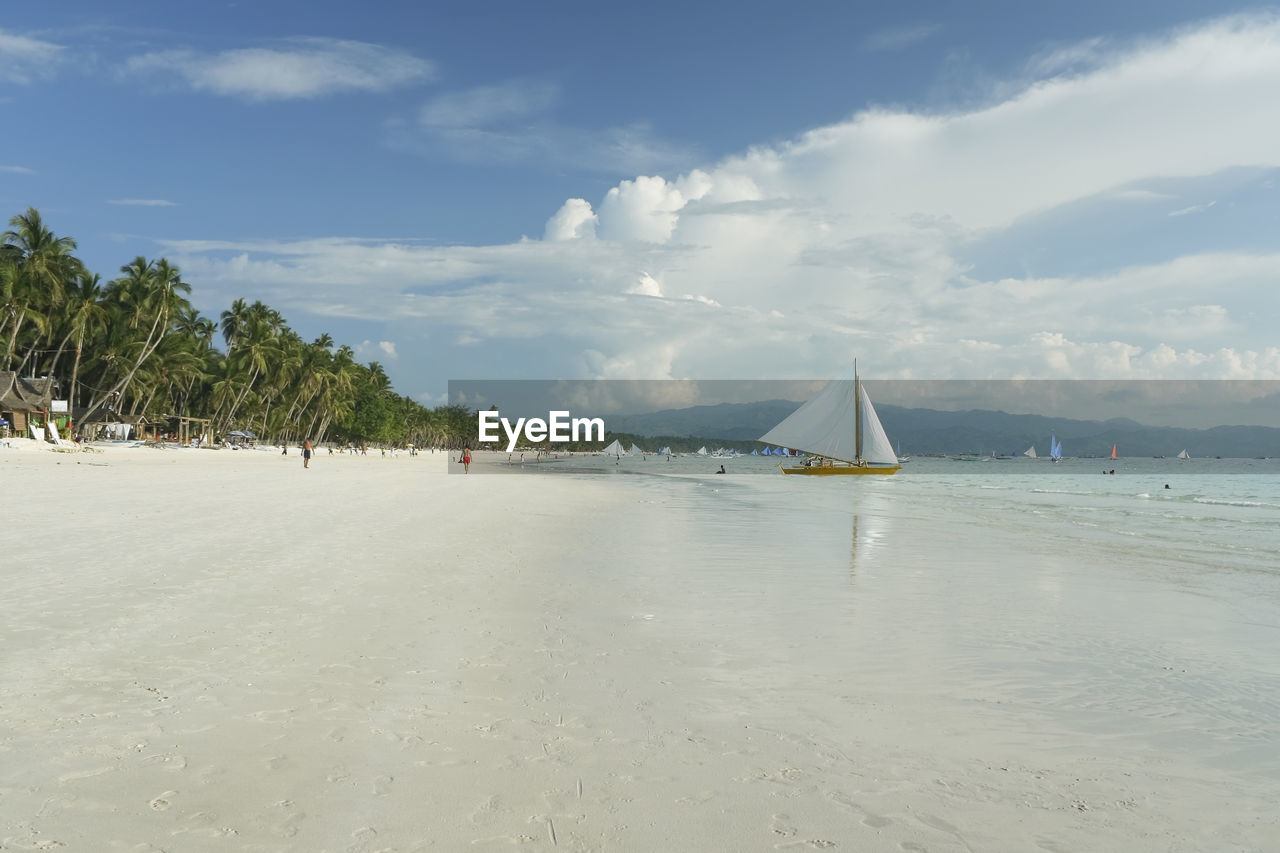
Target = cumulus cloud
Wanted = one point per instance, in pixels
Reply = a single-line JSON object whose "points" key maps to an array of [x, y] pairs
{"points": [[375, 350], [647, 285], [24, 59], [574, 220], [789, 259], [293, 68]]}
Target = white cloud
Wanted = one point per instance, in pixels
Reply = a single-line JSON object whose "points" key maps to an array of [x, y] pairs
{"points": [[574, 220], [374, 350], [512, 122], [647, 208], [647, 285], [846, 240], [294, 68], [487, 105], [1195, 208], [24, 59], [142, 202], [1073, 57], [16, 170]]}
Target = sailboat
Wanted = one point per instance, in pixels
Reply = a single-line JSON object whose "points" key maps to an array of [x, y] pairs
{"points": [[1030, 452], [901, 458], [1055, 449], [635, 450], [839, 429], [1113, 451], [1184, 454], [614, 449]]}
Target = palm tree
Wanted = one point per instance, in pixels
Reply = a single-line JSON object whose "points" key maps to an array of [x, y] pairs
{"points": [[149, 294], [234, 321], [44, 264], [85, 316], [15, 304]]}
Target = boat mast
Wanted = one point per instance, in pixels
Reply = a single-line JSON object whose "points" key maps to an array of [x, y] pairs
{"points": [[857, 415]]}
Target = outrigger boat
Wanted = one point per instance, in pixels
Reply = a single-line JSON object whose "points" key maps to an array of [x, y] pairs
{"points": [[839, 430]]}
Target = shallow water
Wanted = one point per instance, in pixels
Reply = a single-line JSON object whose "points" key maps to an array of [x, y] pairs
{"points": [[1034, 602]]}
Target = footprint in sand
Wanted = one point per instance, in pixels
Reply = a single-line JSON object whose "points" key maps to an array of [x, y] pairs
{"points": [[362, 836], [382, 785], [54, 804], [162, 802], [29, 843]]}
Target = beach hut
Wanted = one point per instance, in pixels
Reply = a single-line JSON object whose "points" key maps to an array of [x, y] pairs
{"points": [[24, 402]]}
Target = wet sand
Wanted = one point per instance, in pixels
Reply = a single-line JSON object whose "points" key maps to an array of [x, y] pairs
{"points": [[208, 650]]}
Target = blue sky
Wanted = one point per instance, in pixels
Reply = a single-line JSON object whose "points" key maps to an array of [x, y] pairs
{"points": [[670, 190]]}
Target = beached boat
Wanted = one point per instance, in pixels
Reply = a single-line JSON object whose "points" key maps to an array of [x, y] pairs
{"points": [[840, 431]]}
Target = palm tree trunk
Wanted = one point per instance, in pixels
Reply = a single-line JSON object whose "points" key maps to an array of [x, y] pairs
{"points": [[13, 341], [75, 373]]}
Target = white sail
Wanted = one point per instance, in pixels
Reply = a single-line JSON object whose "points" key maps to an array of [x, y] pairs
{"points": [[876, 449], [1030, 451], [1184, 454], [614, 449], [824, 426], [702, 451], [636, 451]]}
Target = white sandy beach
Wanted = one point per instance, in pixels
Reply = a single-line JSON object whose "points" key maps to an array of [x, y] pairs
{"points": [[216, 650]]}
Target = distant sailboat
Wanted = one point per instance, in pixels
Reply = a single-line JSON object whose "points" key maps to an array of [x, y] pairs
{"points": [[636, 451], [839, 428], [702, 451], [902, 458], [1055, 449], [614, 449], [1184, 454], [1030, 452], [1113, 451]]}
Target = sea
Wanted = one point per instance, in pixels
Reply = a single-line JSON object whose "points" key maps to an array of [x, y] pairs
{"points": [[1135, 614]]}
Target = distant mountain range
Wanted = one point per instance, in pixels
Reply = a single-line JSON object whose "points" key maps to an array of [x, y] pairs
{"points": [[930, 431]]}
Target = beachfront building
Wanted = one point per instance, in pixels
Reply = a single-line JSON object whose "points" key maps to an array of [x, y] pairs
{"points": [[24, 402]]}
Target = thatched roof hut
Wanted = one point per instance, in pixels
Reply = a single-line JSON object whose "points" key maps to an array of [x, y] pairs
{"points": [[19, 398]]}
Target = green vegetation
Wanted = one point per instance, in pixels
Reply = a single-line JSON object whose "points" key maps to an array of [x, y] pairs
{"points": [[136, 346]]}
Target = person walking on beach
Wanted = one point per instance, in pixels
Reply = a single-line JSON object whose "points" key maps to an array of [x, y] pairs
{"points": [[466, 460], [306, 453]]}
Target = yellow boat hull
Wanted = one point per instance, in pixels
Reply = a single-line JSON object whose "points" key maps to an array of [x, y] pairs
{"points": [[841, 470]]}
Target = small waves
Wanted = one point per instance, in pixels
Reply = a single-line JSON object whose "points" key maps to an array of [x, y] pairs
{"points": [[1241, 503]]}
